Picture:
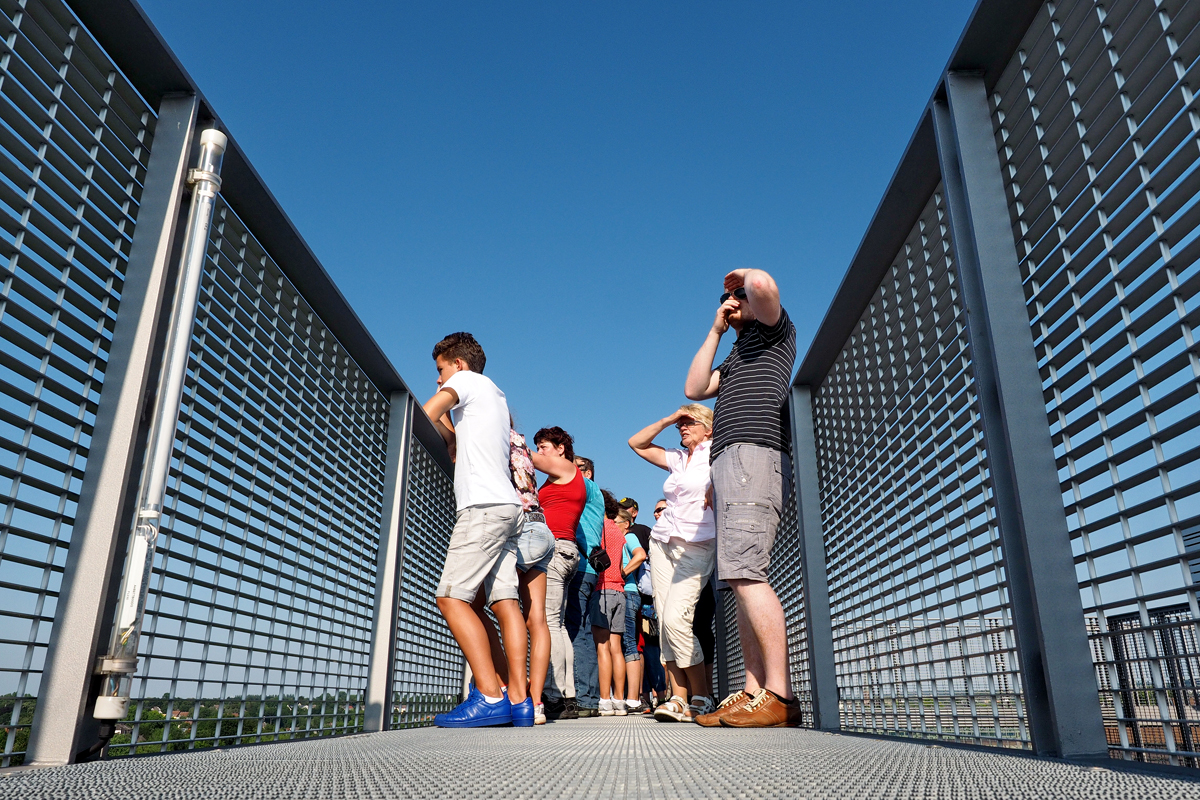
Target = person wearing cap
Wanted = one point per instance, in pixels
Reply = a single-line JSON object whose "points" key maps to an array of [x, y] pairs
{"points": [[683, 551], [633, 564]]}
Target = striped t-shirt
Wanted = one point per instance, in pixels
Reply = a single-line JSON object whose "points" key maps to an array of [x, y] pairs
{"points": [[752, 395]]}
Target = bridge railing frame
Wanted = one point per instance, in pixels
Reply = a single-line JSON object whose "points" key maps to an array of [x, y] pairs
{"points": [[1097, 87]]}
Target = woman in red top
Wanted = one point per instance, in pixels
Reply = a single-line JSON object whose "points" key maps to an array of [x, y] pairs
{"points": [[562, 498]]}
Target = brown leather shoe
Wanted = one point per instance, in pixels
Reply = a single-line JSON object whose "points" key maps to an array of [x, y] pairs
{"points": [[735, 702], [764, 711]]}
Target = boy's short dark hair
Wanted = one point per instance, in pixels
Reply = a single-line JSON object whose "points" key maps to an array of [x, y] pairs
{"points": [[461, 345], [557, 437], [588, 466], [611, 506]]}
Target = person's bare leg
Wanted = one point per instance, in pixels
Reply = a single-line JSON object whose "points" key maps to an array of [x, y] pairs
{"points": [[468, 631], [762, 626], [633, 675], [514, 634], [751, 655], [499, 660], [603, 661], [616, 654], [533, 598], [708, 670]]}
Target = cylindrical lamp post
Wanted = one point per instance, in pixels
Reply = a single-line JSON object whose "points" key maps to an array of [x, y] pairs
{"points": [[120, 664]]}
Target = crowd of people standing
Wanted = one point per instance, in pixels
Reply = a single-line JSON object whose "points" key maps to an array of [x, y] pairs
{"points": [[613, 617]]}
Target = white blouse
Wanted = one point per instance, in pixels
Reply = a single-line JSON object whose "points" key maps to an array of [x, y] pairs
{"points": [[685, 516]]}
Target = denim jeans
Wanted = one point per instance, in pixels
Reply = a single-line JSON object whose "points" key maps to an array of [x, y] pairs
{"points": [[560, 682], [654, 679], [587, 671], [633, 610]]}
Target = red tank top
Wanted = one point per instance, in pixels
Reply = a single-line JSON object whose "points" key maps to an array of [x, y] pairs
{"points": [[562, 503]]}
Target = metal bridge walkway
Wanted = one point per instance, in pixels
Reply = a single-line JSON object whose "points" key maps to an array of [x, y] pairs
{"points": [[608, 758]]}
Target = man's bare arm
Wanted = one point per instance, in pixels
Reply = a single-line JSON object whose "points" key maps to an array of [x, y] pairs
{"points": [[761, 293], [702, 380], [437, 406]]}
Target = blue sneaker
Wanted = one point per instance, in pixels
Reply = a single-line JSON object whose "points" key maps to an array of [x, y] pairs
{"points": [[476, 712], [522, 714]]}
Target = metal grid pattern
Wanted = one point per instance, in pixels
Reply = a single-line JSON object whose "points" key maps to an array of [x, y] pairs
{"points": [[1096, 126], [788, 584], [735, 665], [923, 640], [74, 143], [258, 622], [428, 667], [597, 759]]}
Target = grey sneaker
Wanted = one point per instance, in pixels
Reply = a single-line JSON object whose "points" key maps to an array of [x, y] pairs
{"points": [[700, 706]]}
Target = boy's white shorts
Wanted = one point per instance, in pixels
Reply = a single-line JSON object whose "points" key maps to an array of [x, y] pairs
{"points": [[483, 553]]}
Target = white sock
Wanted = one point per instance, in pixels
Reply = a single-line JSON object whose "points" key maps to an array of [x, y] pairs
{"points": [[493, 700]]}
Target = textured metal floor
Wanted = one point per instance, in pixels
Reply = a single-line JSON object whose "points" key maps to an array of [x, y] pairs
{"points": [[617, 758]]}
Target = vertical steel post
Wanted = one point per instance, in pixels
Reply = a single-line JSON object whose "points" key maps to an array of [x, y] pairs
{"points": [[822, 675], [120, 663], [387, 570], [1059, 679], [81, 614]]}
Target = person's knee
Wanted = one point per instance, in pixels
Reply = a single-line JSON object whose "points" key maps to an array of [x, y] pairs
{"points": [[507, 609]]}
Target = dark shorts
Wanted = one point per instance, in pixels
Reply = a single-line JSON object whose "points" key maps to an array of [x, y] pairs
{"points": [[608, 610], [750, 485]]}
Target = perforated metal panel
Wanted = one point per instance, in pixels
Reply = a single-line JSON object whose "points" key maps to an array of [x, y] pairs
{"points": [[735, 664], [428, 671], [923, 641], [74, 142], [789, 586], [1096, 125], [258, 622]]}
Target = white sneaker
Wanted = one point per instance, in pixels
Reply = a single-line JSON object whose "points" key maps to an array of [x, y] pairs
{"points": [[606, 707], [539, 713], [619, 708], [700, 706]]}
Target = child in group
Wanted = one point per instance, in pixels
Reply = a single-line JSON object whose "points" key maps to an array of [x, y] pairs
{"points": [[482, 555], [633, 556], [608, 613]]}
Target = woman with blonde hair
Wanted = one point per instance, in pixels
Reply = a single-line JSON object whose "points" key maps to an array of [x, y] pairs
{"points": [[682, 553]]}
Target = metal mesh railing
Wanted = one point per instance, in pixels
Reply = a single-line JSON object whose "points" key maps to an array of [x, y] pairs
{"points": [[735, 665], [258, 622], [923, 641], [1096, 126], [74, 144], [428, 668]]}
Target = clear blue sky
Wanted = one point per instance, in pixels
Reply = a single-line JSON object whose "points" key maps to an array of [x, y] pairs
{"points": [[570, 181]]}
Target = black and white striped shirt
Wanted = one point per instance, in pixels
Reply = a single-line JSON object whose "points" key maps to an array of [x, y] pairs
{"points": [[752, 396]]}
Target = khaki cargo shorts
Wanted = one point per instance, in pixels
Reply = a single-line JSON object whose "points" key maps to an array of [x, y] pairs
{"points": [[750, 485], [483, 553]]}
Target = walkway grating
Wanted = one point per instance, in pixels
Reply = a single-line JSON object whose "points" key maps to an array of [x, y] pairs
{"points": [[609, 758]]}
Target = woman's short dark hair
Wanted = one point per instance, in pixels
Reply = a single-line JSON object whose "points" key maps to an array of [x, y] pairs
{"points": [[557, 437], [611, 506], [461, 345]]}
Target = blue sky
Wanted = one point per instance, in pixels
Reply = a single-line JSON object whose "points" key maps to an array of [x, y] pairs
{"points": [[571, 181]]}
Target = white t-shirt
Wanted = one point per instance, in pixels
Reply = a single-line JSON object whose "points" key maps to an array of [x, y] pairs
{"points": [[685, 516], [481, 468]]}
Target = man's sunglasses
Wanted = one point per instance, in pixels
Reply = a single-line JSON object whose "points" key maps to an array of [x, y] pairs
{"points": [[658, 511], [739, 293]]}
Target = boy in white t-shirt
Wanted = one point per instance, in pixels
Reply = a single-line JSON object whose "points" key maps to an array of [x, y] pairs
{"points": [[482, 555]]}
